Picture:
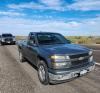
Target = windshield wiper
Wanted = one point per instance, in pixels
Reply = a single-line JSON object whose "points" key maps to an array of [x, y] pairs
{"points": [[58, 43]]}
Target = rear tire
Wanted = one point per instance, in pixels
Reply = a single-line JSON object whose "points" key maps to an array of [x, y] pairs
{"points": [[21, 57], [14, 43], [2, 44], [43, 72]]}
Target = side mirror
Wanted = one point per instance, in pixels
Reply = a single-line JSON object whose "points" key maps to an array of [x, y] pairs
{"points": [[31, 38], [14, 37], [68, 41], [31, 43]]}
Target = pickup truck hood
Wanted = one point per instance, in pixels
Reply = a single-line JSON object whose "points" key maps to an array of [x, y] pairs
{"points": [[65, 49]]}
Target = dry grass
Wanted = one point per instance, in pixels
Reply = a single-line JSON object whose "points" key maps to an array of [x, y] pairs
{"points": [[21, 38], [74, 39], [84, 39]]}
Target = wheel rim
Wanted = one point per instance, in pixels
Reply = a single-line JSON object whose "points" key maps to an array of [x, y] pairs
{"points": [[42, 73]]}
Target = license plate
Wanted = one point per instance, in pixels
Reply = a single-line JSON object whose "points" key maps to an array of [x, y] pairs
{"points": [[69, 76], [83, 72]]}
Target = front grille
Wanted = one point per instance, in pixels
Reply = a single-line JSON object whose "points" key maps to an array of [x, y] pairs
{"points": [[8, 39], [79, 62], [79, 55], [75, 59]]}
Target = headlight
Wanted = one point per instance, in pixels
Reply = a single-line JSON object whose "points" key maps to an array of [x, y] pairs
{"points": [[91, 52], [2, 39], [60, 58], [61, 64], [14, 39], [60, 61]]}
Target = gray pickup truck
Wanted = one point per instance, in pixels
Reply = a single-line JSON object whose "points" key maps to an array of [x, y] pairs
{"points": [[56, 59], [7, 38], [0, 37]]}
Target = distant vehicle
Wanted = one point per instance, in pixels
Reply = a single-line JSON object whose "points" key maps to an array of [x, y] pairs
{"points": [[7, 38], [55, 57], [0, 37]]}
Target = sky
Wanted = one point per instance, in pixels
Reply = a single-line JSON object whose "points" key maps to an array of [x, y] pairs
{"points": [[68, 17]]}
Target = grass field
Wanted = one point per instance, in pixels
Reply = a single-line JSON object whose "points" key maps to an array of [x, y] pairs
{"points": [[84, 39]]}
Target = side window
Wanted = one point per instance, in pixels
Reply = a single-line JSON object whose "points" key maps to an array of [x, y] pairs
{"points": [[32, 39]]}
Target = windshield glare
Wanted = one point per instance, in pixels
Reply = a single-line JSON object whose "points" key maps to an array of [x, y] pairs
{"points": [[51, 38]]}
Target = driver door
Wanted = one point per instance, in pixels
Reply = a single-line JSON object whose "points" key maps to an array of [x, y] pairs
{"points": [[32, 50]]}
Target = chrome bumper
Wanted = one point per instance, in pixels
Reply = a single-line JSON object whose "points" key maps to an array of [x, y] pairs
{"points": [[71, 74]]}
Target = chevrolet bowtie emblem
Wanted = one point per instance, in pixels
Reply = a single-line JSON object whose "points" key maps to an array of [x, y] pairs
{"points": [[81, 58]]}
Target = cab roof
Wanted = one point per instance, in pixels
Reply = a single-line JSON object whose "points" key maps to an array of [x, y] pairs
{"points": [[42, 32]]}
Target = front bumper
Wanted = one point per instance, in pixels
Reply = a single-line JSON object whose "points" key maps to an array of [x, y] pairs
{"points": [[63, 76], [8, 42]]}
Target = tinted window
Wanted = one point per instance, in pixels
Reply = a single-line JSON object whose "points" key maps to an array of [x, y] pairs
{"points": [[6, 35], [32, 39]]}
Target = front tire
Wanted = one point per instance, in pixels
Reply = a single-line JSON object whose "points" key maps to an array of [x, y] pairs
{"points": [[14, 43], [2, 43], [43, 72]]}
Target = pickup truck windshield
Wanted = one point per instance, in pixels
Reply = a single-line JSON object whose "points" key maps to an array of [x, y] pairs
{"points": [[50, 38], [6, 35]]}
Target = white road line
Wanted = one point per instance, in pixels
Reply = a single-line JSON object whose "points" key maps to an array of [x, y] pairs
{"points": [[97, 64], [96, 50]]}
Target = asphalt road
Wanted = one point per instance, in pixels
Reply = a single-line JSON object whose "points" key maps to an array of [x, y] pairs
{"points": [[96, 52], [94, 46], [16, 77]]}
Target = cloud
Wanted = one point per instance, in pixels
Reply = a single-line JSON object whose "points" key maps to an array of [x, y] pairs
{"points": [[59, 5], [10, 13], [42, 5], [51, 2], [20, 26], [85, 5], [30, 5]]}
